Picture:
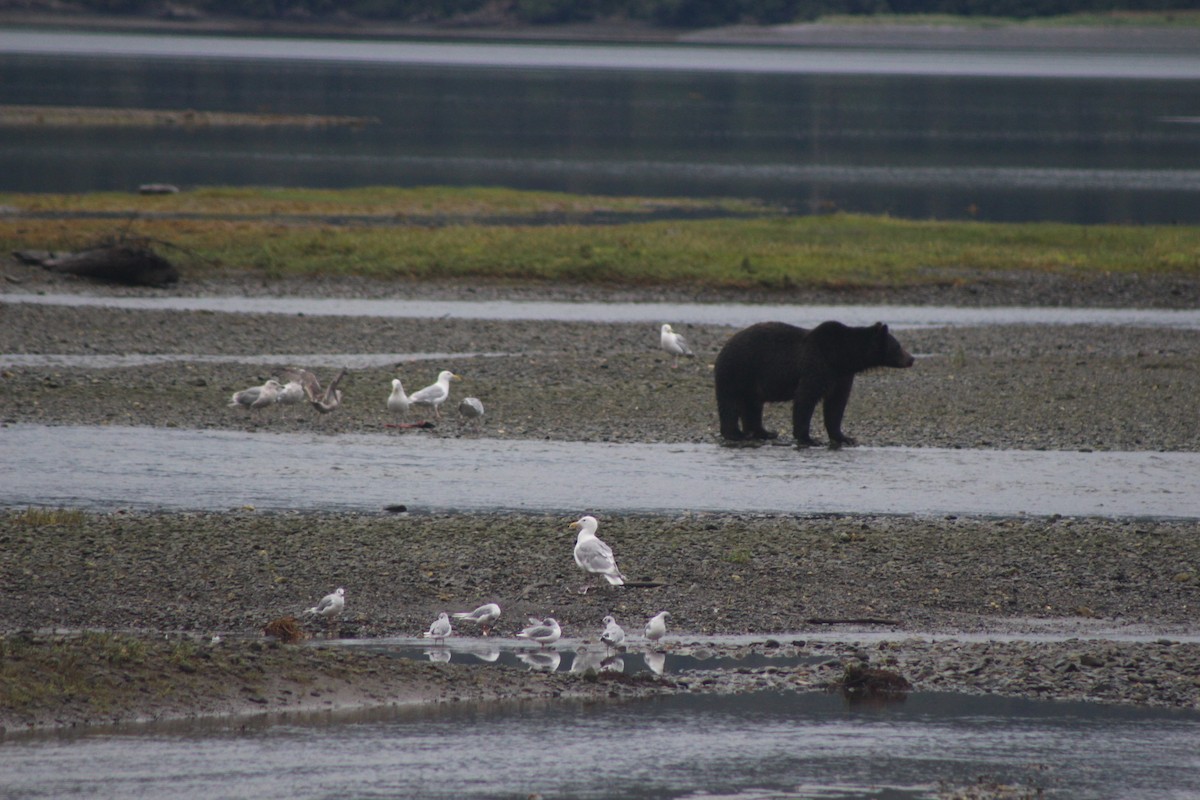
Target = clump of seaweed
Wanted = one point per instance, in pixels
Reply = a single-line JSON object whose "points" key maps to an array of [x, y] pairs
{"points": [[285, 629], [861, 679], [47, 517]]}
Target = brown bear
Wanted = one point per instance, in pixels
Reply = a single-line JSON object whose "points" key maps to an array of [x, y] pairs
{"points": [[772, 362]]}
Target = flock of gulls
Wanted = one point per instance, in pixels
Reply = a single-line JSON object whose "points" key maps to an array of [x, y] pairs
{"points": [[591, 553], [293, 385]]}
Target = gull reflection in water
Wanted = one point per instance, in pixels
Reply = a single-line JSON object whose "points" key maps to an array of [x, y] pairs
{"points": [[438, 655], [657, 662], [543, 660], [487, 654]]}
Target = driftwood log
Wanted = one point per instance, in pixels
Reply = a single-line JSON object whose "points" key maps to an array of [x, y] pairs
{"points": [[126, 264]]}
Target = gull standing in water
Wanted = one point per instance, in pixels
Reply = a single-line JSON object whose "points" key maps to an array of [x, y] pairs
{"points": [[674, 344], [436, 393], [593, 555], [440, 628], [656, 627], [257, 396], [613, 635], [330, 605], [544, 632], [483, 616], [323, 400]]}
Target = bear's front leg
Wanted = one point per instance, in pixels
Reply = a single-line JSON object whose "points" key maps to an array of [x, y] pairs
{"points": [[802, 410], [834, 407]]}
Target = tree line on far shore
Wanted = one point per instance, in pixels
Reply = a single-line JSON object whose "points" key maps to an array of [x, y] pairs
{"points": [[666, 13]]}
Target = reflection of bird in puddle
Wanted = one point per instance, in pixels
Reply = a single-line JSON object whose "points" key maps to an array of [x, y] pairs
{"points": [[438, 655], [657, 662], [613, 664], [541, 660], [488, 654], [586, 659]]}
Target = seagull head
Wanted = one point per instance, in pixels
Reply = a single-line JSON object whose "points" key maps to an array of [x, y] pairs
{"points": [[586, 524]]}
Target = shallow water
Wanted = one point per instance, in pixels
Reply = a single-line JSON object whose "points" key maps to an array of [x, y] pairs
{"points": [[761, 745], [126, 360], [142, 468], [733, 314]]}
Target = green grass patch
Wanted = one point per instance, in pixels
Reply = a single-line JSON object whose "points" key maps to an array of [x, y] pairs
{"points": [[738, 250], [47, 517]]}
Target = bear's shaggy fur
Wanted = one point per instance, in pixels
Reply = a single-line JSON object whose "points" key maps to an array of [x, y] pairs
{"points": [[773, 362]]}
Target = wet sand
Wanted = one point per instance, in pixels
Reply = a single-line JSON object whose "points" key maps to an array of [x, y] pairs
{"points": [[1019, 581]]}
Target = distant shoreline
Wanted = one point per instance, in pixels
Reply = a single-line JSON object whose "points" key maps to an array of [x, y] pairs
{"points": [[1124, 38]]}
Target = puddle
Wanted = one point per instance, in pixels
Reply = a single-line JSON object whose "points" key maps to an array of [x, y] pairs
{"points": [[141, 468], [331, 360], [739, 747], [573, 655], [732, 314]]}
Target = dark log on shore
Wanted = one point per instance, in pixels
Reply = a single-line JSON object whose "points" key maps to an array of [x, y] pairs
{"points": [[125, 264]]}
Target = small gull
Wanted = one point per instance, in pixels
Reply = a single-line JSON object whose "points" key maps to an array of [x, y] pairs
{"points": [[291, 393], [544, 632], [257, 396], [330, 605], [656, 628], [435, 394], [440, 628], [323, 400], [674, 344], [593, 555], [471, 408], [483, 616], [612, 635], [398, 402]]}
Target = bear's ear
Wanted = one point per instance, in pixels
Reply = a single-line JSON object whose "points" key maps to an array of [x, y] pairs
{"points": [[880, 328]]}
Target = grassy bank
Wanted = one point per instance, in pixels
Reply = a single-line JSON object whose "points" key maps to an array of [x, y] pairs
{"points": [[440, 233]]}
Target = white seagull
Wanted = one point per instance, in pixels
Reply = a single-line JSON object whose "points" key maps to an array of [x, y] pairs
{"points": [[471, 408], [613, 635], [330, 605], [674, 344], [290, 394], [435, 394], [398, 401], [656, 627], [440, 628], [544, 632], [593, 555], [257, 396], [483, 616]]}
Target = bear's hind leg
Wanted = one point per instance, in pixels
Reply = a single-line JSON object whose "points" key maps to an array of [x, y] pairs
{"points": [[752, 413]]}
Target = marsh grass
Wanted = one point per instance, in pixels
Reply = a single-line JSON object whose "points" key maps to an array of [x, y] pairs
{"points": [[743, 249]]}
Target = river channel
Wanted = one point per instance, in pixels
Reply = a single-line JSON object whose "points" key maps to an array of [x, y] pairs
{"points": [[761, 746]]}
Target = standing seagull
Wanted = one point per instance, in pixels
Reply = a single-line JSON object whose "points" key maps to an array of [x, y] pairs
{"points": [[674, 344], [257, 396], [330, 605], [593, 555], [484, 616], [323, 400], [440, 628], [544, 632], [471, 408], [435, 394], [656, 627], [290, 394], [398, 402], [613, 635]]}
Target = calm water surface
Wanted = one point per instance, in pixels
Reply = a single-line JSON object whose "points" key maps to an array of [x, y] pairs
{"points": [[750, 746], [1081, 136], [117, 467]]}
